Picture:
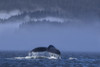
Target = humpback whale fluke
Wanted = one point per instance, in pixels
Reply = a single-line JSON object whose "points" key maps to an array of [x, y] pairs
{"points": [[45, 52], [52, 49], [39, 49], [49, 52]]}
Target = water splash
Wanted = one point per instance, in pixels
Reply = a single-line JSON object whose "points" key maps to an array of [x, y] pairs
{"points": [[40, 55]]}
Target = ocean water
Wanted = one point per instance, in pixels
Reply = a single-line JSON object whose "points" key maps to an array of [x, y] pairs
{"points": [[69, 59]]}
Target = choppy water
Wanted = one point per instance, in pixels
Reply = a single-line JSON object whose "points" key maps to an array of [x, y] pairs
{"points": [[68, 60]]}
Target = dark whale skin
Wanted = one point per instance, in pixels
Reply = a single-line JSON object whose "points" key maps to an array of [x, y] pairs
{"points": [[50, 48], [39, 49]]}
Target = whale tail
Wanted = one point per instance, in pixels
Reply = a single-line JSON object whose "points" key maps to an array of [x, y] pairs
{"points": [[49, 52], [52, 49]]}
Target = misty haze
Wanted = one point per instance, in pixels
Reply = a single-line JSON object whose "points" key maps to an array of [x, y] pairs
{"points": [[69, 25]]}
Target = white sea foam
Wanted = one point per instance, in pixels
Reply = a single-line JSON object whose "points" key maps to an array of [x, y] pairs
{"points": [[72, 58], [38, 55]]}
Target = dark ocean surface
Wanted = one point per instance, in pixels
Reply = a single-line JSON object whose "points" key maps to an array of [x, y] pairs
{"points": [[69, 59]]}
